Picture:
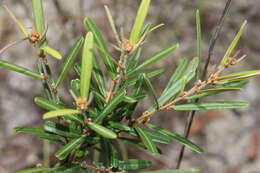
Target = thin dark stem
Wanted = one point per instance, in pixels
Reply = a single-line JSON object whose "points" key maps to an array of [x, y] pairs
{"points": [[204, 74], [215, 37]]}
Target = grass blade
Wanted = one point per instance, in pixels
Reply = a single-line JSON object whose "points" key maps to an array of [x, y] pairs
{"points": [[233, 45], [61, 112], [156, 57], [9, 66], [86, 66], [139, 21], [211, 105], [69, 61]]}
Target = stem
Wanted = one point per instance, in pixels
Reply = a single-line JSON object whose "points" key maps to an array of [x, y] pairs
{"points": [[210, 53]]}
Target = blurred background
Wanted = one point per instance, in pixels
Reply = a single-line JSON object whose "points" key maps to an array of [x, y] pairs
{"points": [[231, 138]]}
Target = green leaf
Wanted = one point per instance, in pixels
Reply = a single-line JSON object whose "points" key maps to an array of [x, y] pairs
{"points": [[37, 131], [151, 88], [69, 169], [211, 105], [198, 34], [19, 24], [61, 112], [86, 66], [75, 87], [97, 73], [175, 88], [177, 137], [49, 105], [147, 141], [60, 130], [9, 66], [219, 90], [149, 75], [110, 106], [102, 47], [101, 130], [39, 169], [233, 45], [178, 73], [156, 57], [69, 61], [174, 171], [134, 164], [131, 61], [128, 99], [52, 139], [38, 16], [133, 142], [64, 151], [139, 21], [120, 126], [113, 155], [183, 83], [223, 86], [239, 76], [157, 137], [51, 51]]}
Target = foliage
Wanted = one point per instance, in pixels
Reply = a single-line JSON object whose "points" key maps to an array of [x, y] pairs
{"points": [[101, 115]]}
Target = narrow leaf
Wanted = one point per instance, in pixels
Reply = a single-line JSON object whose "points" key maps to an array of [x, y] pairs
{"points": [[178, 73], [110, 106], [102, 47], [64, 151], [146, 140], [69, 61], [97, 73], [61, 112], [75, 87], [211, 105], [174, 171], [233, 45], [156, 57], [37, 131], [149, 75], [51, 51], [19, 24], [177, 137], [39, 169], [198, 41], [86, 65], [151, 88], [101, 130], [134, 164], [61, 130], [242, 73], [38, 16], [9, 66], [139, 21]]}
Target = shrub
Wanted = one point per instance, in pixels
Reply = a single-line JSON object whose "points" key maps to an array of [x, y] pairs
{"points": [[101, 115]]}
